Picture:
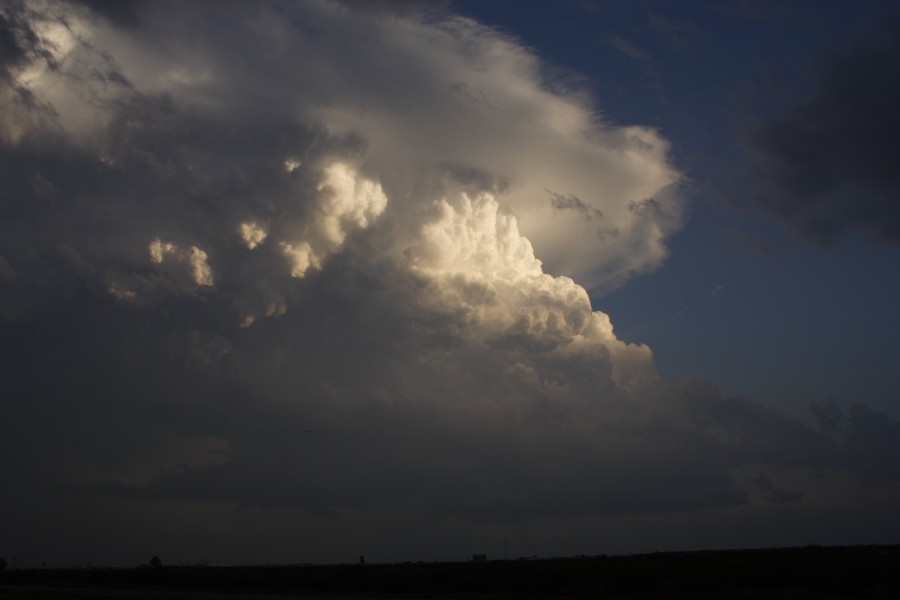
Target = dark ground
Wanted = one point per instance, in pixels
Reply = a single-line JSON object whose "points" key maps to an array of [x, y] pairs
{"points": [[809, 572]]}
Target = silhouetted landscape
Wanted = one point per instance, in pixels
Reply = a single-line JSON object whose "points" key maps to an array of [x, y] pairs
{"points": [[806, 572]]}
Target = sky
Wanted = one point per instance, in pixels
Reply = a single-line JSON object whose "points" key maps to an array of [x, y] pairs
{"points": [[289, 282]]}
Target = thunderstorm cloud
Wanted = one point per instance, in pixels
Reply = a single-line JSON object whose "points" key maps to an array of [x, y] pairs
{"points": [[307, 255]]}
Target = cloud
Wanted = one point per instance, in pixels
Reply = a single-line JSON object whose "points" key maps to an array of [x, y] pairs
{"points": [[193, 259], [825, 159], [771, 493], [302, 255], [572, 202], [351, 203], [627, 48], [751, 242]]}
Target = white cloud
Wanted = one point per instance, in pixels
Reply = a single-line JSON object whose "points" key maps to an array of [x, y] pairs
{"points": [[193, 259], [301, 256], [159, 250], [199, 267], [424, 96], [120, 293], [346, 202], [480, 264], [252, 234], [487, 112]]}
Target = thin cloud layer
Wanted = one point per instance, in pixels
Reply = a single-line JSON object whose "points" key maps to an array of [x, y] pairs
{"points": [[304, 255]]}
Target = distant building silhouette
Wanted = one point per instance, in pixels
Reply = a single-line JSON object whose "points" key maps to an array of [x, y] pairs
{"points": [[479, 558], [155, 562]]}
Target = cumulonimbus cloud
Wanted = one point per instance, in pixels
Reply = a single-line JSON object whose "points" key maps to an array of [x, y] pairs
{"points": [[340, 258]]}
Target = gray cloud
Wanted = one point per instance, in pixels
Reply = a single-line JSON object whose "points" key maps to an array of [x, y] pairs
{"points": [[123, 13], [750, 242], [572, 202], [771, 493], [827, 160], [400, 8]]}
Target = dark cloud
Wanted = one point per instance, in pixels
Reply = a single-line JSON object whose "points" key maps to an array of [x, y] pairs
{"points": [[302, 412], [17, 42], [827, 161], [771, 493], [123, 13], [397, 8], [752, 242], [861, 436], [572, 202]]}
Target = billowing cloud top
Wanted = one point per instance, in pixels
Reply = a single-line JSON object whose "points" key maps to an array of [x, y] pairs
{"points": [[424, 106], [302, 254]]}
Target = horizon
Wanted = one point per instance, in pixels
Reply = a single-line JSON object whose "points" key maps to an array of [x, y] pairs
{"points": [[201, 563]]}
